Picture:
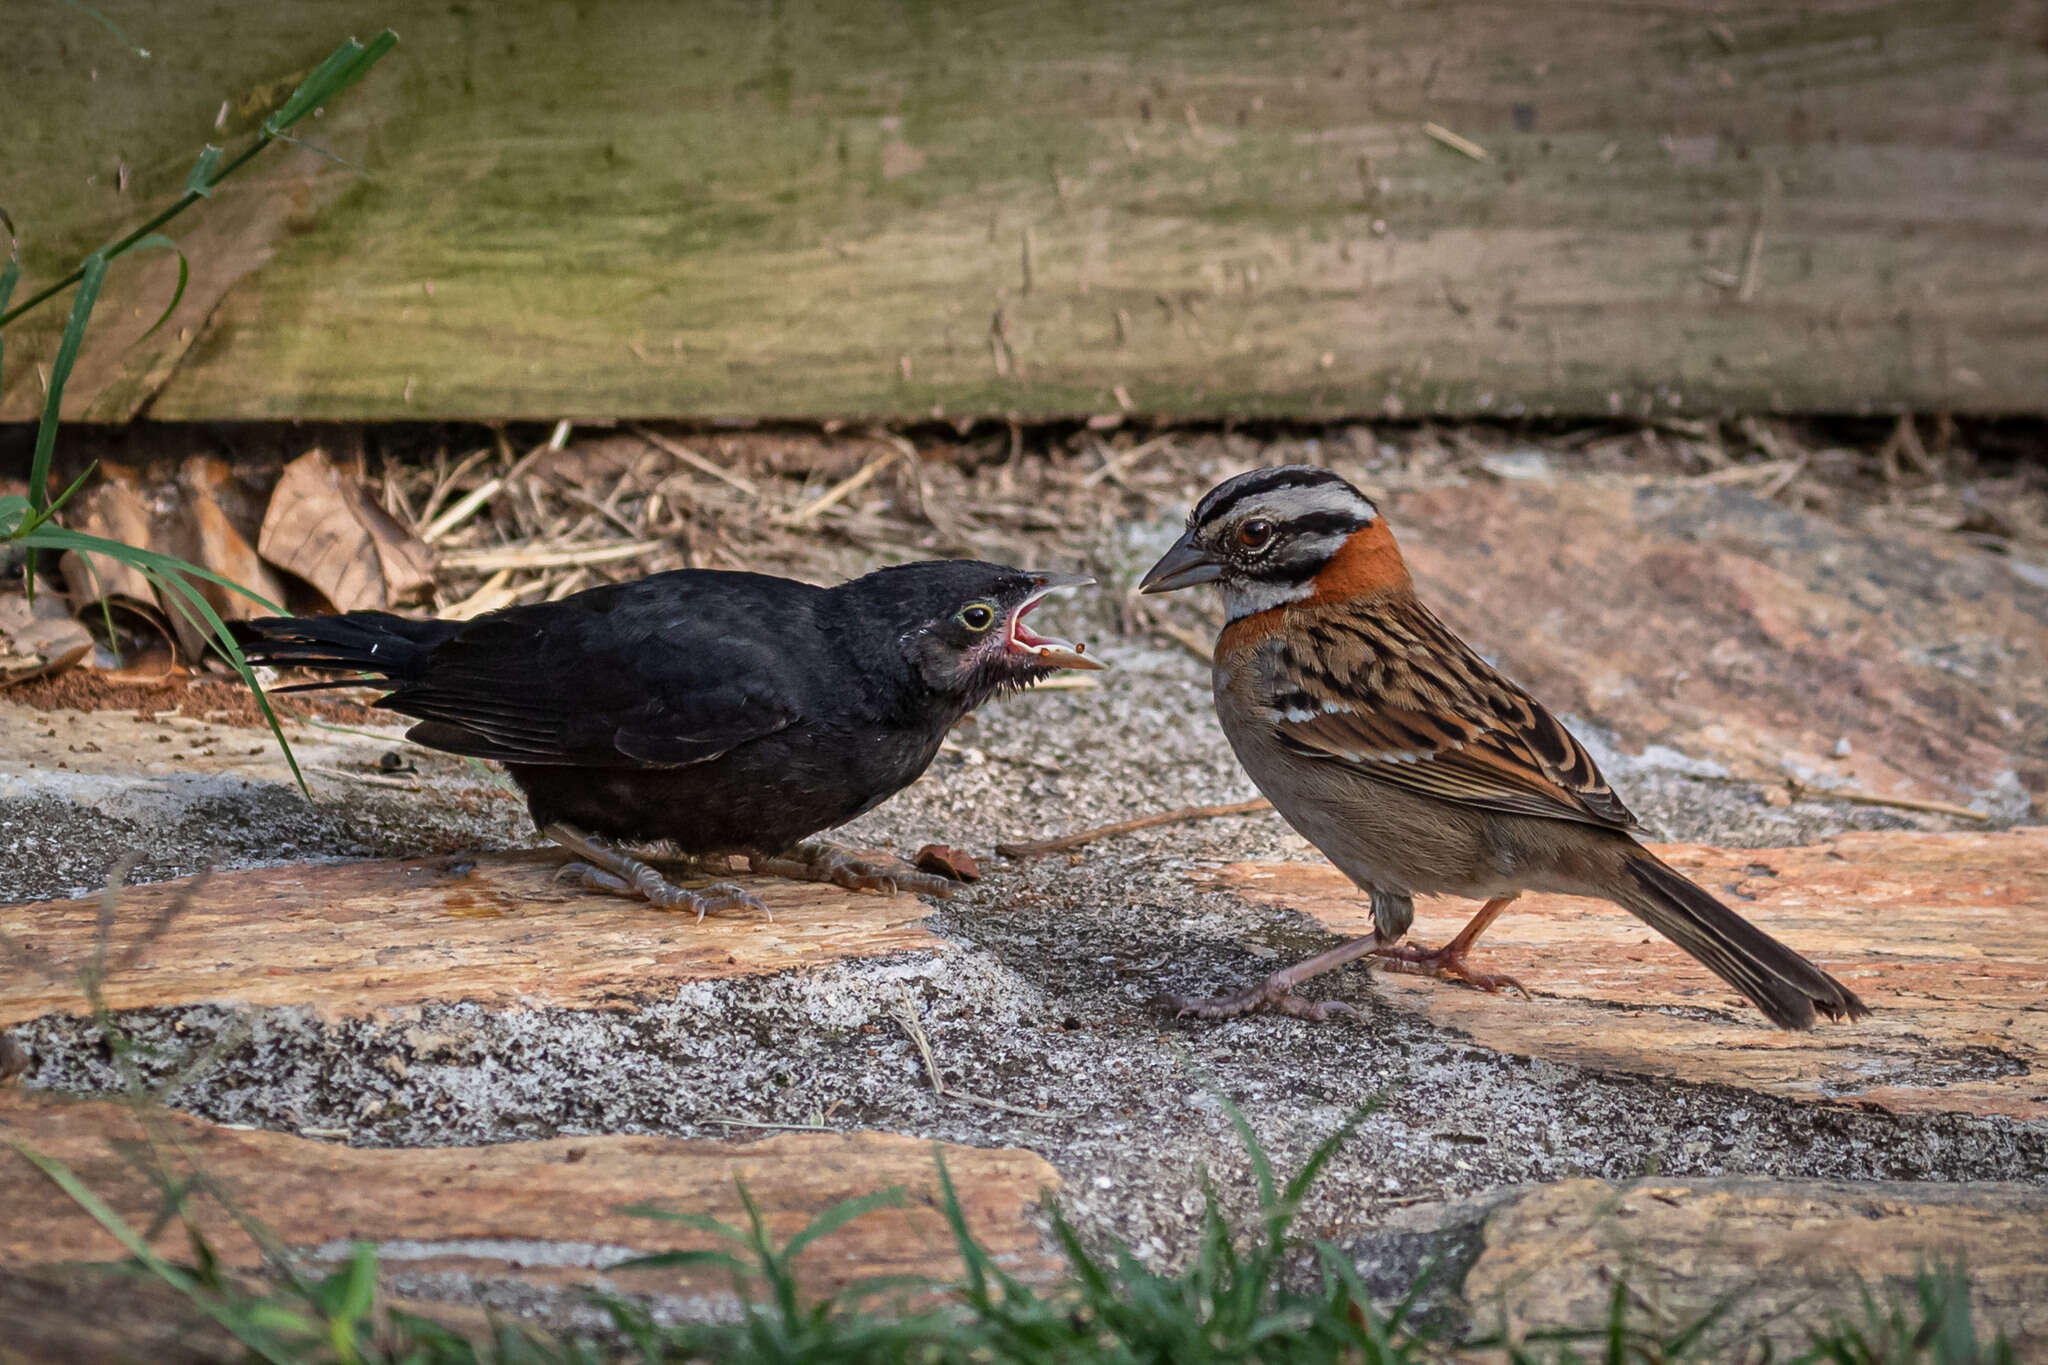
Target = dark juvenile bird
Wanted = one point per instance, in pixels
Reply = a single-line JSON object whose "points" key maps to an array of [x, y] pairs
{"points": [[715, 713], [1411, 763]]}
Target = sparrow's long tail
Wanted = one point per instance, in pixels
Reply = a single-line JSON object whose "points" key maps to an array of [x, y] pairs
{"points": [[391, 648], [1783, 984]]}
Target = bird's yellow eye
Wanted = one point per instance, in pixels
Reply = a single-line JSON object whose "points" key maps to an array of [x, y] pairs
{"points": [[1254, 534], [978, 616]]}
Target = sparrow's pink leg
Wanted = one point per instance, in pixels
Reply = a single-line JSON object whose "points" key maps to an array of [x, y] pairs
{"points": [[1448, 962], [1276, 992]]}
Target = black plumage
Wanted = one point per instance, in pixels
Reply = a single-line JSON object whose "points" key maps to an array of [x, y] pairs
{"points": [[716, 712]]}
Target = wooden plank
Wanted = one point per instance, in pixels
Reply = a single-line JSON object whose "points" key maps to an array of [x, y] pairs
{"points": [[1944, 936], [365, 938], [518, 1214], [1030, 207], [1761, 1257]]}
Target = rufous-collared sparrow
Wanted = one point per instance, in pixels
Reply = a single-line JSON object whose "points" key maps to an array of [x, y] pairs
{"points": [[1411, 763]]}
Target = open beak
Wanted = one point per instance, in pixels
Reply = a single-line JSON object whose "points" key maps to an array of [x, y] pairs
{"points": [[1045, 649], [1181, 567]]}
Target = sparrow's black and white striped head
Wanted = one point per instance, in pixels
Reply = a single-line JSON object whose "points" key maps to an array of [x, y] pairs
{"points": [[1264, 536]]}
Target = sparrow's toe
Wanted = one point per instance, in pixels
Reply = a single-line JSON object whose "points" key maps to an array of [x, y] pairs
{"points": [[1317, 1011], [1446, 965]]}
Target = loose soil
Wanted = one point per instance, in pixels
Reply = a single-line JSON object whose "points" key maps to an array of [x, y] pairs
{"points": [[199, 698]]}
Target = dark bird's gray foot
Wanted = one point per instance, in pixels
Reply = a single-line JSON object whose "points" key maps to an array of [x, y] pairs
{"points": [[606, 868], [816, 861]]}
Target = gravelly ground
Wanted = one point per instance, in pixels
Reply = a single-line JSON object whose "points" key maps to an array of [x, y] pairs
{"points": [[1049, 1007]]}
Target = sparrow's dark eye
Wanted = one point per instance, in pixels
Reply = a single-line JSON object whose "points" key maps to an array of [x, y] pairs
{"points": [[978, 616], [1255, 534]]}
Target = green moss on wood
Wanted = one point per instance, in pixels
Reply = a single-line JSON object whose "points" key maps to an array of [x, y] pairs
{"points": [[726, 209]]}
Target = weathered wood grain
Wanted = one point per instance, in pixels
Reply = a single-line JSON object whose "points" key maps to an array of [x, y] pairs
{"points": [[906, 209], [1944, 936], [548, 1213], [368, 937], [1766, 1257]]}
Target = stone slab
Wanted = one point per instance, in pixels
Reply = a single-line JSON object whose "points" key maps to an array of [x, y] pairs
{"points": [[1750, 639], [1944, 936]]}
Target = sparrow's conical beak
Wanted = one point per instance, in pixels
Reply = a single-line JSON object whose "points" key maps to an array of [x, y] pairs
{"points": [[1183, 566]]}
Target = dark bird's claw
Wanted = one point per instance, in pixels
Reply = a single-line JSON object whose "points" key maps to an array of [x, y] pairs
{"points": [[820, 862], [663, 894], [724, 896], [605, 868]]}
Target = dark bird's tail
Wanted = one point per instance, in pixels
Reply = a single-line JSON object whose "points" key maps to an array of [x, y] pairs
{"points": [[389, 648], [1783, 984]]}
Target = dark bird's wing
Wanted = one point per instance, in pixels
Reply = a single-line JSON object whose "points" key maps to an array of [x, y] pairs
{"points": [[669, 670], [1389, 689], [593, 689]]}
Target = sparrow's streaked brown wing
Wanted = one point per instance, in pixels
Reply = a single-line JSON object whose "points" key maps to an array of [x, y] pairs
{"points": [[1386, 687]]}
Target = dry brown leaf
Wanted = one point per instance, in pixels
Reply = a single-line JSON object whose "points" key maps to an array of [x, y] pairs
{"points": [[947, 861], [113, 509], [205, 533], [327, 529], [194, 518]]}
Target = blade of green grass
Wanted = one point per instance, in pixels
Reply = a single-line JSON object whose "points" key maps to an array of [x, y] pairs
{"points": [[57, 503], [156, 240], [149, 561], [702, 1222], [10, 275], [223, 642], [1298, 1185], [1262, 1165], [346, 1297], [99, 592], [344, 66], [977, 1262], [839, 1215], [110, 26], [201, 179], [93, 274], [659, 1260]]}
